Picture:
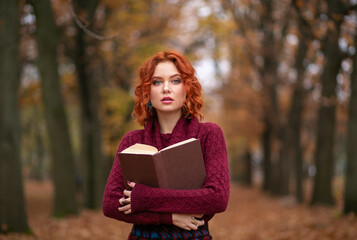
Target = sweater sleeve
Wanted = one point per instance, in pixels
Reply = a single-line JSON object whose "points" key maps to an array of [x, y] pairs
{"points": [[114, 191], [210, 199]]}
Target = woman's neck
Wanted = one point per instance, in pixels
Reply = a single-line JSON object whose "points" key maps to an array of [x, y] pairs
{"points": [[168, 122]]}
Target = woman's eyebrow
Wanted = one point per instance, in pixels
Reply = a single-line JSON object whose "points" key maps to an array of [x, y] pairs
{"points": [[175, 75]]}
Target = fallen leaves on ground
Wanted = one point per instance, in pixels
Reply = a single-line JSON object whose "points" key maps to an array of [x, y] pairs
{"points": [[251, 215]]}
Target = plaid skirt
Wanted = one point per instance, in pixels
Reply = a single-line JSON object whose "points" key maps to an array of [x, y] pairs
{"points": [[141, 232]]}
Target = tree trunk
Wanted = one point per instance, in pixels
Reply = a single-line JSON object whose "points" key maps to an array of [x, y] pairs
{"points": [[324, 153], [12, 207], [351, 168], [266, 140], [272, 115], [284, 159], [91, 157], [38, 169], [295, 151], [271, 45], [296, 109], [63, 170], [247, 176], [269, 81]]}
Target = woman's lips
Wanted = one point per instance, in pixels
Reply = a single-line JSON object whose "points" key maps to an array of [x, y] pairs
{"points": [[167, 100]]}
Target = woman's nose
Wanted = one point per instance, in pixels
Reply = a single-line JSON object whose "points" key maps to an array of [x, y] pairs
{"points": [[166, 86]]}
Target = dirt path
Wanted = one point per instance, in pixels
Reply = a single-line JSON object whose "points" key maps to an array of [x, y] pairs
{"points": [[251, 215]]}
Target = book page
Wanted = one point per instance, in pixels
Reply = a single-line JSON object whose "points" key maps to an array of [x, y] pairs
{"points": [[139, 148], [179, 143]]}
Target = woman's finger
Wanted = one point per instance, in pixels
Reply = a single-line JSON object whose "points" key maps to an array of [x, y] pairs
{"points": [[192, 226], [127, 193], [200, 223], [128, 211], [197, 223], [194, 221], [124, 201], [131, 184], [124, 208]]}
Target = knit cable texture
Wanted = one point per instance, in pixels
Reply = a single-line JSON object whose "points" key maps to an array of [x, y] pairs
{"points": [[154, 205]]}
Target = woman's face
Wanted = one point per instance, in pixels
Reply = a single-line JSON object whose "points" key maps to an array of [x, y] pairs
{"points": [[167, 94]]}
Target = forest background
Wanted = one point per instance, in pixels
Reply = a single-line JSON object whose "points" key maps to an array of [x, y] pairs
{"points": [[279, 77]]}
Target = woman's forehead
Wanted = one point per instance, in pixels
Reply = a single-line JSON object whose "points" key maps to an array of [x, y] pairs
{"points": [[165, 69]]}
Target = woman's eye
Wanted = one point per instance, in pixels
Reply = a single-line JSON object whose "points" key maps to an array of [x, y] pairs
{"points": [[176, 81], [156, 82]]}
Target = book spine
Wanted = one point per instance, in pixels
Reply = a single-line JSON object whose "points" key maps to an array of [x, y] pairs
{"points": [[160, 171]]}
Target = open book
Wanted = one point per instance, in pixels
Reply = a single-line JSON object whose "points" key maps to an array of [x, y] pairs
{"points": [[179, 166]]}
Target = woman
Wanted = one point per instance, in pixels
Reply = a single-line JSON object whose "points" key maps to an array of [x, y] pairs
{"points": [[167, 103]]}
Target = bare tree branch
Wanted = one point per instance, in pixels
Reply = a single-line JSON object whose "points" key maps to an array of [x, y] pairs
{"points": [[84, 28]]}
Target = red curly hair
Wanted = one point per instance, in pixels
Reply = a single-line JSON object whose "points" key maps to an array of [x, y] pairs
{"points": [[194, 99]]}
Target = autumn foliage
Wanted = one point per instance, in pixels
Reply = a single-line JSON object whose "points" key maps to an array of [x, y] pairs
{"points": [[279, 77]]}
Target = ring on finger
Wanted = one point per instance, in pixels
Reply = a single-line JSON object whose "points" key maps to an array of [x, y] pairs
{"points": [[195, 222]]}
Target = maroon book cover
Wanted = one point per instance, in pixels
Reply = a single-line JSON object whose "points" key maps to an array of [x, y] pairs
{"points": [[179, 166]]}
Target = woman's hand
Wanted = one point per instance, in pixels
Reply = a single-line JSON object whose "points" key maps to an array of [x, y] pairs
{"points": [[126, 200], [187, 221]]}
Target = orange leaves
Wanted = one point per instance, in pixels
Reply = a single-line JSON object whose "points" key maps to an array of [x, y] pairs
{"points": [[30, 95], [116, 107], [251, 215]]}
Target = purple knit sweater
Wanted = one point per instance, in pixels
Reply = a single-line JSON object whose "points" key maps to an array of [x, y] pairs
{"points": [[154, 205]]}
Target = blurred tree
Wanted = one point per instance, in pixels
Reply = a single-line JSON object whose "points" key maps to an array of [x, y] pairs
{"points": [[35, 148], [33, 131], [63, 170], [12, 206], [295, 113], [268, 73], [115, 111], [276, 166], [247, 177], [88, 80], [36, 161], [145, 28], [324, 153], [350, 196], [260, 53], [241, 90]]}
